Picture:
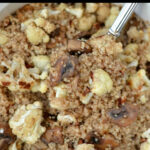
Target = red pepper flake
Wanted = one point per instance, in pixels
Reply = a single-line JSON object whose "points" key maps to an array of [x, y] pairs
{"points": [[24, 85], [5, 83], [91, 75]]}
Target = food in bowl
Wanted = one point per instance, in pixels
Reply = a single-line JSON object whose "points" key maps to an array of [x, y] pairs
{"points": [[66, 85]]}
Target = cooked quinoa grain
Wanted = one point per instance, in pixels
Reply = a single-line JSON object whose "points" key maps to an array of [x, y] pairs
{"points": [[65, 85]]}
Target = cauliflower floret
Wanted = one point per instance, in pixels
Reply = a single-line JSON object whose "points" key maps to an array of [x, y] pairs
{"points": [[16, 145], [100, 32], [26, 121], [78, 12], [91, 7], [102, 13], [147, 34], [131, 48], [40, 87], [42, 62], [40, 22], [85, 147], [85, 23], [86, 99], [102, 83], [138, 80], [143, 99], [146, 134], [3, 37], [147, 54], [125, 58], [36, 35], [59, 103], [62, 6], [17, 75], [106, 43], [113, 15], [145, 146], [66, 119], [47, 26], [78, 5], [135, 34], [60, 90], [44, 13], [42, 66], [26, 23]]}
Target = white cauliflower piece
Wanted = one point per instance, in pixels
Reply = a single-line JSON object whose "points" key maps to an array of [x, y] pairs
{"points": [[59, 103], [131, 48], [78, 12], [44, 13], [100, 32], [113, 15], [61, 91], [16, 145], [91, 7], [66, 119], [102, 13], [86, 99], [17, 75], [47, 26], [41, 62], [40, 22], [135, 34], [26, 121], [145, 146], [40, 87], [3, 37], [62, 6], [146, 134], [85, 23], [143, 99], [138, 80], [102, 83], [85, 147], [26, 23], [36, 35]]}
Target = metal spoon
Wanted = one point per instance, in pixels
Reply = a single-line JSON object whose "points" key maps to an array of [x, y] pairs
{"points": [[122, 18]]}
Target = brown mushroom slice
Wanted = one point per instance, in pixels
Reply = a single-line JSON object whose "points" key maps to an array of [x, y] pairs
{"points": [[78, 46], [64, 67], [6, 136], [53, 135], [101, 142], [124, 116]]}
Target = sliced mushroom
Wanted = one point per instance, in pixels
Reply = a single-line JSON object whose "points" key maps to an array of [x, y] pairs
{"points": [[65, 67], [101, 142], [6, 136], [124, 116], [78, 46], [53, 135]]}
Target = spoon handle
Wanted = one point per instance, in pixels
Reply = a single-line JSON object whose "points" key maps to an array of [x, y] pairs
{"points": [[122, 18]]}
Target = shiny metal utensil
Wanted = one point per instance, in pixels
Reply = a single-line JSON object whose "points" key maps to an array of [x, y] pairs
{"points": [[122, 18]]}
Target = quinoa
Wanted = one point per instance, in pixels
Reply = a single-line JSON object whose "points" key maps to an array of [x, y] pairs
{"points": [[63, 80]]}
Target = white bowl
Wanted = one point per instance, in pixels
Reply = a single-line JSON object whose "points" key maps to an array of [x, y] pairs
{"points": [[142, 10]]}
